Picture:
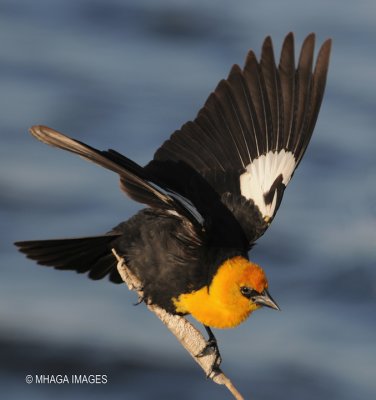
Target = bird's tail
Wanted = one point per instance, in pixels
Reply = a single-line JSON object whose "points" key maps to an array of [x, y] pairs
{"points": [[87, 254]]}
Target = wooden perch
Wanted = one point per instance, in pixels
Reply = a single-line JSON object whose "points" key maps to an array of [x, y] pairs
{"points": [[189, 337]]}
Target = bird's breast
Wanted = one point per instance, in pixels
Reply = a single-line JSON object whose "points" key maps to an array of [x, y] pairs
{"points": [[210, 311]]}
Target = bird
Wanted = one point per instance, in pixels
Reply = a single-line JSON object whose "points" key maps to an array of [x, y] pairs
{"points": [[211, 191]]}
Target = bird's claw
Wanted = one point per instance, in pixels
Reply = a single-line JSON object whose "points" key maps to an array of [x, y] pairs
{"points": [[211, 347], [141, 297]]}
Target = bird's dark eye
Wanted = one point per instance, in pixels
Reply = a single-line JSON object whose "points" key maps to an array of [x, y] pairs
{"points": [[248, 292]]}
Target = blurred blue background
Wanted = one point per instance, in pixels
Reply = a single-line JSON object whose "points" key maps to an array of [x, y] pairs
{"points": [[126, 74]]}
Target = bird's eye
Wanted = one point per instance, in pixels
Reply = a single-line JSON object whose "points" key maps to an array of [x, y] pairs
{"points": [[248, 292]]}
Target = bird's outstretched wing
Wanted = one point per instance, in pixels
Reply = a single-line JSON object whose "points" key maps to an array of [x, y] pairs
{"points": [[135, 181], [253, 130]]}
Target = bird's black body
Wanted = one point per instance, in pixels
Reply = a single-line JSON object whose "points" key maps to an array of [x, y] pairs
{"points": [[213, 188], [156, 249]]}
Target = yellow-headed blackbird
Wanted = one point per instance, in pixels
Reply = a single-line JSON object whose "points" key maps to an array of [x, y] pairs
{"points": [[212, 190]]}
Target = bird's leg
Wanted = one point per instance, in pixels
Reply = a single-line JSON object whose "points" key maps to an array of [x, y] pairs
{"points": [[141, 297], [211, 347], [140, 300]]}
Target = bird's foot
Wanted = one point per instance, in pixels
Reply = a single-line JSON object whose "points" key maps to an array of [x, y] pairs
{"points": [[141, 297], [211, 347]]}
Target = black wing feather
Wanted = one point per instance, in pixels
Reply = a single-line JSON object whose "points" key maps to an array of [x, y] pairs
{"points": [[317, 93], [273, 91], [246, 111], [302, 92], [135, 181], [286, 72], [258, 111]]}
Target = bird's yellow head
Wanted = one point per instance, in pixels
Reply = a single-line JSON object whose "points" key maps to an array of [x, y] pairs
{"points": [[238, 288]]}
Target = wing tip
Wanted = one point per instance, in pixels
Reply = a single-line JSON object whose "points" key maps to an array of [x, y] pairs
{"points": [[267, 42], [37, 131], [290, 36], [310, 37], [267, 50], [307, 49], [325, 49], [251, 60], [45, 134], [235, 70]]}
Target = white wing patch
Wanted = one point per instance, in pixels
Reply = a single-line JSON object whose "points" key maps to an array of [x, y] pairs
{"points": [[260, 175], [188, 205]]}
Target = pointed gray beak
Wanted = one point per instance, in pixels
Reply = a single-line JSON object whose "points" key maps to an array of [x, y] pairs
{"points": [[264, 299]]}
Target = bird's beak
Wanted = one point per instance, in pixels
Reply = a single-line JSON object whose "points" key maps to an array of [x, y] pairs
{"points": [[264, 299]]}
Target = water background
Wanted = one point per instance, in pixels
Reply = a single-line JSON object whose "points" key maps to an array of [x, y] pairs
{"points": [[126, 74]]}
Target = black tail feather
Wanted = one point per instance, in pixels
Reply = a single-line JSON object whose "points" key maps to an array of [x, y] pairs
{"points": [[87, 254]]}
